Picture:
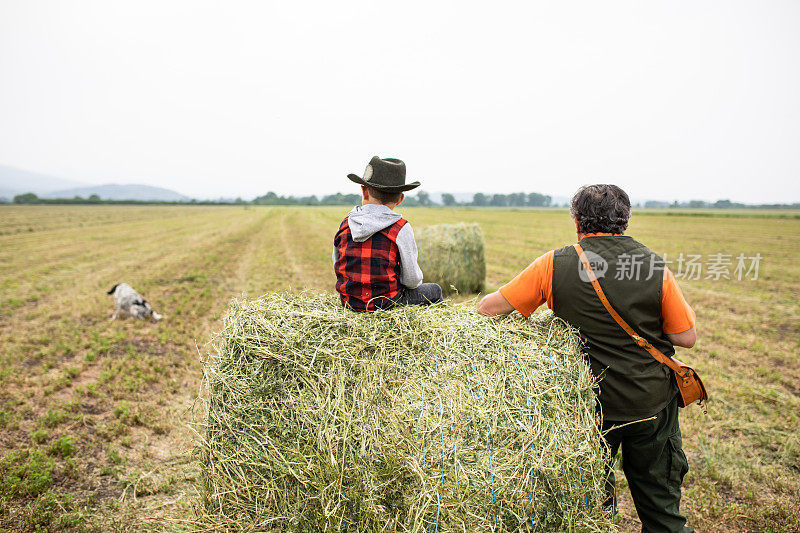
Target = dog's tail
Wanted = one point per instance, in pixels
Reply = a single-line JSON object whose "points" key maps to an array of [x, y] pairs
{"points": [[113, 289]]}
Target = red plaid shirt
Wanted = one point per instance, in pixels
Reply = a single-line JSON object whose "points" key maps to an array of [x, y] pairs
{"points": [[367, 273]]}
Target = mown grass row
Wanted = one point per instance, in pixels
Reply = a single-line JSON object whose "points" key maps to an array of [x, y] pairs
{"points": [[82, 392]]}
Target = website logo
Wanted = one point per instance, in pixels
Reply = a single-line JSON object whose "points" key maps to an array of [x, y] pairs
{"points": [[598, 264]]}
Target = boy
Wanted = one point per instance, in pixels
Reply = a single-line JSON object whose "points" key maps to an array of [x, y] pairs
{"points": [[374, 252]]}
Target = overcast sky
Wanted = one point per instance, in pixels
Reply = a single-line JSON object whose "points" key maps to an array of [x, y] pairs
{"points": [[670, 100]]}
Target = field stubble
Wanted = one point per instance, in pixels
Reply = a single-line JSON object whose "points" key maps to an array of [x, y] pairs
{"points": [[94, 414]]}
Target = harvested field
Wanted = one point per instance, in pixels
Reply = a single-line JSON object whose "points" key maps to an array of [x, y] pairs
{"points": [[94, 414]]}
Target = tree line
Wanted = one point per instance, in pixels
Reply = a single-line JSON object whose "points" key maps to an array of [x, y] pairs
{"points": [[719, 204], [31, 198], [420, 199]]}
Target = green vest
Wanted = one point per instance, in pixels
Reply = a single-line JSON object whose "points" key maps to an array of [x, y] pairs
{"points": [[633, 385]]}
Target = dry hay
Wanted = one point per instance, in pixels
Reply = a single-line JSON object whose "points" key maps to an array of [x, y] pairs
{"points": [[415, 419], [452, 255]]}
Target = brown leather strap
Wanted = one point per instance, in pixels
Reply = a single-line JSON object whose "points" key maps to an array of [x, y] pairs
{"points": [[652, 350]]}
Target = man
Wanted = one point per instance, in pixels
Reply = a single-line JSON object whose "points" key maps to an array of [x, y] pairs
{"points": [[633, 385]]}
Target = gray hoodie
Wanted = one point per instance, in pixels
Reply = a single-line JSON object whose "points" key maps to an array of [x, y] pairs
{"points": [[367, 220]]}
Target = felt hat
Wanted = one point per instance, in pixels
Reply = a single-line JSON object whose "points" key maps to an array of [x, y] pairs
{"points": [[386, 175]]}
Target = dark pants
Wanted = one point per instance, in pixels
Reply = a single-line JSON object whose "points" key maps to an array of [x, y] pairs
{"points": [[425, 294], [654, 465]]}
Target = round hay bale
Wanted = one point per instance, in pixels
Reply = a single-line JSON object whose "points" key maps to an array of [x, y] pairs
{"points": [[452, 255], [415, 419]]}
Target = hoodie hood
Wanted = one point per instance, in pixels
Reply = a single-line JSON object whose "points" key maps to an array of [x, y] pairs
{"points": [[367, 220]]}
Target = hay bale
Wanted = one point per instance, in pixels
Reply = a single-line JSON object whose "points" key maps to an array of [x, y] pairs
{"points": [[452, 255], [416, 419]]}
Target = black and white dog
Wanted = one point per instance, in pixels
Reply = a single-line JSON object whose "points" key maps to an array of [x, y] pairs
{"points": [[130, 302]]}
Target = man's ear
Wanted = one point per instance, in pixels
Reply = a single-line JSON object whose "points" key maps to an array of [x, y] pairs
{"points": [[400, 201], [577, 227], [365, 192]]}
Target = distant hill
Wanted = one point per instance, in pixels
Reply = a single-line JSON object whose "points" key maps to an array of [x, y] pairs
{"points": [[16, 181], [142, 193], [7, 194]]}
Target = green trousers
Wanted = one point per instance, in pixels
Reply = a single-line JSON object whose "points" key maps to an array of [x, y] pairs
{"points": [[654, 465]]}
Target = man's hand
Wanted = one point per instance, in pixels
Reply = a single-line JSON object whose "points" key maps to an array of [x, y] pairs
{"points": [[494, 304], [684, 339]]}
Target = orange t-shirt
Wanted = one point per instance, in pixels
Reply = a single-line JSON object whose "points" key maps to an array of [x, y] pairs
{"points": [[534, 286]]}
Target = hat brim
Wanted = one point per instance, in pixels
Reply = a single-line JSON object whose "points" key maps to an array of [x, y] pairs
{"points": [[400, 188]]}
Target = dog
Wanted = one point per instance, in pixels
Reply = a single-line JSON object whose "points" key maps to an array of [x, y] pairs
{"points": [[130, 302]]}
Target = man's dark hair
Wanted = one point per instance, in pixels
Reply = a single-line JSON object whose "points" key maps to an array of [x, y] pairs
{"points": [[385, 197], [601, 209]]}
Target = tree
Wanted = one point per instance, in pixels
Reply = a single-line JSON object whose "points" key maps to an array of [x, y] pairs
{"points": [[424, 199], [696, 204], [480, 199], [27, 198], [538, 200], [499, 200], [308, 200], [268, 199], [341, 199], [516, 199], [94, 199], [411, 201], [723, 204], [448, 199]]}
